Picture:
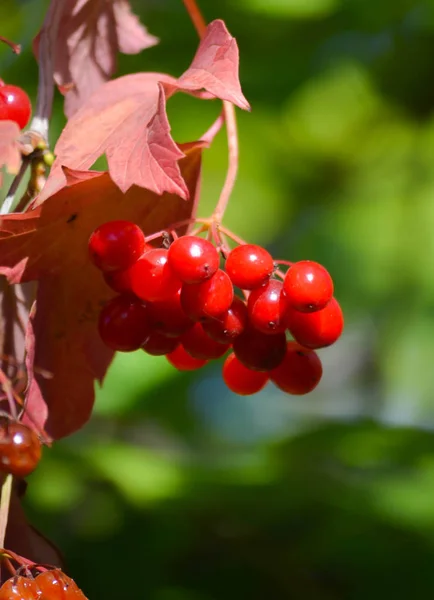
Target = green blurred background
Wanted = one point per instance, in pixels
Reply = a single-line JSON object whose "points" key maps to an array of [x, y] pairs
{"points": [[180, 490]]}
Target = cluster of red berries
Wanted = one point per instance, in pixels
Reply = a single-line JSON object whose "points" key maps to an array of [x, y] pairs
{"points": [[20, 448], [48, 585], [15, 104], [177, 301]]}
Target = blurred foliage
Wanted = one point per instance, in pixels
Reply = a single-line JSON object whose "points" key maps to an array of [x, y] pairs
{"points": [[179, 490]]}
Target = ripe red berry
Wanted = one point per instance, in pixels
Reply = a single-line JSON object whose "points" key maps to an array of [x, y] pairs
{"points": [[20, 448], [152, 278], [182, 361], [19, 588], [230, 325], [308, 286], [119, 281], [316, 329], [124, 324], [266, 307], [199, 345], [159, 344], [210, 299], [193, 259], [116, 245], [299, 372], [168, 316], [55, 585], [249, 266], [15, 105], [240, 379], [260, 351]]}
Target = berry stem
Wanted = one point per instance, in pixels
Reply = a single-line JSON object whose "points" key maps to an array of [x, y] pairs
{"points": [[5, 499], [284, 262], [16, 48], [10, 196], [209, 135], [196, 17]]}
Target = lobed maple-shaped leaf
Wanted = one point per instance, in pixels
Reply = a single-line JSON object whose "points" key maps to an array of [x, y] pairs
{"points": [[90, 34], [10, 156], [49, 244], [126, 120]]}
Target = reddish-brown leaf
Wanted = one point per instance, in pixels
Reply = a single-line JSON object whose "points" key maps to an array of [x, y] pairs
{"points": [[10, 156], [49, 244], [91, 33]]}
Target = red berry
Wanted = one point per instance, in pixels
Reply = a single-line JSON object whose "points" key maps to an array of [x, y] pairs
{"points": [[266, 307], [159, 344], [210, 299], [15, 105], [317, 329], [20, 448], [55, 585], [308, 286], [193, 259], [19, 588], [182, 361], [299, 372], [240, 379], [249, 266], [124, 324], [116, 245], [199, 345], [230, 325], [168, 316], [152, 278], [260, 351], [119, 281]]}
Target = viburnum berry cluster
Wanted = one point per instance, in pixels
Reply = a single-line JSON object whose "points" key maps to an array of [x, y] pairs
{"points": [[15, 104], [194, 301], [49, 584]]}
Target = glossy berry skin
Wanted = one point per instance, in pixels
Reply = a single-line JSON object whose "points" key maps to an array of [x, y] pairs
{"points": [[266, 307], [15, 105], [168, 316], [317, 329], [116, 245], [249, 266], [158, 344], [152, 278], [55, 585], [199, 345], [193, 259], [230, 325], [299, 372], [119, 281], [124, 324], [260, 351], [308, 286], [208, 300], [182, 361], [20, 449], [19, 588], [241, 380]]}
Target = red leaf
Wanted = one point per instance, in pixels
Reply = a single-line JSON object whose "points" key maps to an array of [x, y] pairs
{"points": [[90, 34], [215, 66], [49, 244], [10, 156]]}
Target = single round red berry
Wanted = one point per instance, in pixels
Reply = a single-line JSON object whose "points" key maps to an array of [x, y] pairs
{"points": [[299, 372], [240, 379], [230, 325], [19, 588], [193, 259], [159, 344], [199, 345], [168, 316], [20, 448], [249, 266], [152, 278], [210, 299], [260, 351], [266, 307], [124, 324], [316, 329], [119, 281], [55, 585], [15, 105], [308, 286], [182, 361], [116, 245]]}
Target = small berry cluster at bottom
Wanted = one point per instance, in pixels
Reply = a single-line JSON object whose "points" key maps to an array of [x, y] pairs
{"points": [[50, 584], [179, 301]]}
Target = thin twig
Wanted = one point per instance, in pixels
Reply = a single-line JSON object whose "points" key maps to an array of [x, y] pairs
{"points": [[10, 196], [196, 17], [16, 48]]}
